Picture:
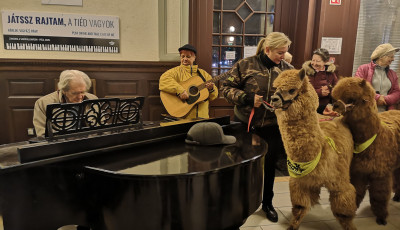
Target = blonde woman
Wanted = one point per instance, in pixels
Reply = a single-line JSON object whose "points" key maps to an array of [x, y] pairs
{"points": [[248, 83]]}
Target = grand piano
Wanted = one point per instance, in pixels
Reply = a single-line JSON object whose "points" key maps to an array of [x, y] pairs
{"points": [[113, 171]]}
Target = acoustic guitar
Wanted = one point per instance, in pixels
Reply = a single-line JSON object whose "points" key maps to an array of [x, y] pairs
{"points": [[195, 87]]}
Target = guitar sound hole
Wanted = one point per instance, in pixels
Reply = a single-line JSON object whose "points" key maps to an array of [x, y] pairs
{"points": [[193, 90]]}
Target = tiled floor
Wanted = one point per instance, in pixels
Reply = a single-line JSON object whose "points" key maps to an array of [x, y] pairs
{"points": [[320, 216]]}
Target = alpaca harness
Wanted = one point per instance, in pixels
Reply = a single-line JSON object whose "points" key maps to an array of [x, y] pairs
{"points": [[358, 148], [300, 169], [286, 102]]}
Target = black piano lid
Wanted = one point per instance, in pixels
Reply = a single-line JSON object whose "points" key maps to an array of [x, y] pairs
{"points": [[175, 157], [51, 152]]}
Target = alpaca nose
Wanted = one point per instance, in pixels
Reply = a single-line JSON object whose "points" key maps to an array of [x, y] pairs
{"points": [[276, 101], [337, 107], [275, 98]]}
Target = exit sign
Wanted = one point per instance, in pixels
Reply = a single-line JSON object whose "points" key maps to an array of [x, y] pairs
{"points": [[336, 2]]}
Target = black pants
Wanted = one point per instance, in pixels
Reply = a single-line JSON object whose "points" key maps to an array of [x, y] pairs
{"points": [[321, 109], [272, 136]]}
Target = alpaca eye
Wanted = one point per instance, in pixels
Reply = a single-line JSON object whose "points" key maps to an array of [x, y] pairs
{"points": [[292, 91]]}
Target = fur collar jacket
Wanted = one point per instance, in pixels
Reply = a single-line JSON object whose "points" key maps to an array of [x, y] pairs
{"points": [[310, 71], [320, 79]]}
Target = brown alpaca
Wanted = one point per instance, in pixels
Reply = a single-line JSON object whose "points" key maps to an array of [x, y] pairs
{"points": [[305, 138], [372, 167]]}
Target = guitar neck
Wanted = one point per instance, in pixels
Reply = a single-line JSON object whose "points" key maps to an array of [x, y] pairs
{"points": [[213, 80]]}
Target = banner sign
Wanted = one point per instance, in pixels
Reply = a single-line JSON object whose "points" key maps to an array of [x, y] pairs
{"points": [[63, 2], [60, 32]]}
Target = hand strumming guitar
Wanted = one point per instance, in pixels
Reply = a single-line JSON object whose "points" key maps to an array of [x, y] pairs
{"points": [[184, 95]]}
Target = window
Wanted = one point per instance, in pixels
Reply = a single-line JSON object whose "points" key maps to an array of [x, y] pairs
{"points": [[238, 26], [377, 24]]}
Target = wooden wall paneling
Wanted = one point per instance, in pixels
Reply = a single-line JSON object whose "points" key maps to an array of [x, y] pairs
{"points": [[307, 21], [22, 82], [21, 92], [20, 120], [296, 19], [342, 21], [153, 101], [3, 113], [200, 31], [123, 88]]}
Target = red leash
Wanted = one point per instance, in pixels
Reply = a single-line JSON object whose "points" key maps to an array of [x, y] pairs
{"points": [[266, 105]]}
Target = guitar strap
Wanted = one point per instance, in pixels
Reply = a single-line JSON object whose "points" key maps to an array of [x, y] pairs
{"points": [[198, 71]]}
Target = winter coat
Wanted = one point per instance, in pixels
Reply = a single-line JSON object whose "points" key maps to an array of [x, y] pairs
{"points": [[321, 78], [251, 76], [366, 72], [169, 82]]}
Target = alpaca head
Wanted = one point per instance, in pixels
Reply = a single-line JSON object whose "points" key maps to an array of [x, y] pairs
{"points": [[294, 92], [353, 94]]}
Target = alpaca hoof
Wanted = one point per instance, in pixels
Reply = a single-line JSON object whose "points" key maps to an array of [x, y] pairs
{"points": [[396, 197], [291, 228], [381, 221]]}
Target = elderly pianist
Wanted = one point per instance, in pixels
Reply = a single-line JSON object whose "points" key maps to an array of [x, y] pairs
{"points": [[73, 87]]}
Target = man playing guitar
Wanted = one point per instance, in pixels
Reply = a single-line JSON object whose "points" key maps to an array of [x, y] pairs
{"points": [[186, 90]]}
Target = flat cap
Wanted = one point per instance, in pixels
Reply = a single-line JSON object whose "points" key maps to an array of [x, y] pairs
{"points": [[382, 50], [188, 47]]}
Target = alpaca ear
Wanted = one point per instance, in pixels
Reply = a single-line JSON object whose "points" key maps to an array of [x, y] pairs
{"points": [[363, 83], [302, 74]]}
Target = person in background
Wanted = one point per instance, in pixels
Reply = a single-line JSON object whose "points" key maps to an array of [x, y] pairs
{"points": [[288, 57], [73, 87], [382, 78], [321, 74], [171, 79], [247, 85]]}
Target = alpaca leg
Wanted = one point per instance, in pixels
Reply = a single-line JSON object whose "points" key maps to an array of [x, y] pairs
{"points": [[343, 205], [360, 183], [379, 193], [396, 185], [301, 203]]}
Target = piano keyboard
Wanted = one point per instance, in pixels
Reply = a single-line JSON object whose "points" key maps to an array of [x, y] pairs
{"points": [[55, 47]]}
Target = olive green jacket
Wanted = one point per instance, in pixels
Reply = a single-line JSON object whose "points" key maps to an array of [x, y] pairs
{"points": [[251, 76]]}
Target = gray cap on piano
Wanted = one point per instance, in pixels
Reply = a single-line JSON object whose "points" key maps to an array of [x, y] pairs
{"points": [[208, 133]]}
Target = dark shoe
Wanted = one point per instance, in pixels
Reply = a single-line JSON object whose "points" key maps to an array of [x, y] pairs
{"points": [[270, 213], [396, 197]]}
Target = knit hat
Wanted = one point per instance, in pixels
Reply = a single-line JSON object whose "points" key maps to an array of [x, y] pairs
{"points": [[208, 133], [383, 50], [188, 47]]}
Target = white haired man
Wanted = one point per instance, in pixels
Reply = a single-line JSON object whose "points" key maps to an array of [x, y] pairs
{"points": [[73, 87]]}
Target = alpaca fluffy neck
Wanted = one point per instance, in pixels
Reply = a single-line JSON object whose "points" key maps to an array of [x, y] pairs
{"points": [[363, 123], [301, 134]]}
